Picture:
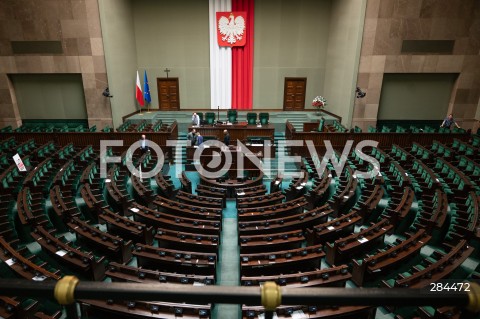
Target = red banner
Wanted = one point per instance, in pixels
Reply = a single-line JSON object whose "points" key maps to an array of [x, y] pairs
{"points": [[231, 29]]}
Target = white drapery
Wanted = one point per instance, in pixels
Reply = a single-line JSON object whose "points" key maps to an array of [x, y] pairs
{"points": [[220, 60]]}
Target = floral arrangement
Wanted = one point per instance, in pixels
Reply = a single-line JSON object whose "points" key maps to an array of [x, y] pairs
{"points": [[319, 102]]}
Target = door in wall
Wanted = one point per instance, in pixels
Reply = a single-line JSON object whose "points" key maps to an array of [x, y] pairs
{"points": [[168, 94], [294, 94]]}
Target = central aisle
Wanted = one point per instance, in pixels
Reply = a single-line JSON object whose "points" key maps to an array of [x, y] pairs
{"points": [[228, 266]]}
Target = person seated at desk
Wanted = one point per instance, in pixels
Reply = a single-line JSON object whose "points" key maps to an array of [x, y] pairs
{"points": [[192, 137], [226, 138], [143, 144], [199, 139], [448, 121], [195, 119]]}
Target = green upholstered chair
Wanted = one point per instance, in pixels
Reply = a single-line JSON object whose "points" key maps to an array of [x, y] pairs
{"points": [[232, 116], [251, 118], [321, 125], [264, 117], [210, 118]]}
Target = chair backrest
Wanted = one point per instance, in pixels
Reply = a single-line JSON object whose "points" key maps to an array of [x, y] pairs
{"points": [[251, 118], [210, 117], [321, 125], [232, 117], [200, 115], [264, 117]]}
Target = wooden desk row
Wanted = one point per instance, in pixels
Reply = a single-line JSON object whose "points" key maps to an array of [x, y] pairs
{"points": [[11, 308], [281, 210], [434, 268], [154, 218], [115, 184], [172, 239], [16, 259], [301, 221], [270, 263], [170, 206], [328, 277], [399, 205], [273, 242], [112, 246], [84, 262], [261, 200], [313, 312], [346, 248], [124, 227], [31, 208], [318, 194], [93, 198], [123, 273], [143, 309], [174, 260], [198, 200], [63, 202], [383, 260]]}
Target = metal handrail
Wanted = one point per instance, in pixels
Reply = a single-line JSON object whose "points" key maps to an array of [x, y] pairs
{"points": [[269, 295]]}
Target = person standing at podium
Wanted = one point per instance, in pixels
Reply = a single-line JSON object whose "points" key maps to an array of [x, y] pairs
{"points": [[143, 144], [226, 138]]}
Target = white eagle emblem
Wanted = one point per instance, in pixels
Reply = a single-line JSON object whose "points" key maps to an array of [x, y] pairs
{"points": [[232, 30]]}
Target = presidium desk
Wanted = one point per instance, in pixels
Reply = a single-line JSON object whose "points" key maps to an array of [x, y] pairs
{"points": [[240, 131]]}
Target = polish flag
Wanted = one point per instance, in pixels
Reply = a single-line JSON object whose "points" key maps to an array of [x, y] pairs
{"points": [[138, 92], [231, 25]]}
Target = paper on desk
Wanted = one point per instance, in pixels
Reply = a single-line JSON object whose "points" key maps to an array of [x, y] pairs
{"points": [[39, 278], [362, 240], [9, 261], [196, 283], [135, 209], [61, 252], [262, 316], [299, 314]]}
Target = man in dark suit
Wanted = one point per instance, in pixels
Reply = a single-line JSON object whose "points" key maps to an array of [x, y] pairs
{"points": [[192, 137], [199, 139], [226, 138]]}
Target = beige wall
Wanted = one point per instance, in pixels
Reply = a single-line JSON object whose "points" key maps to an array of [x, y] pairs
{"points": [[76, 23], [50, 96], [415, 96], [174, 35], [120, 55], [344, 43], [291, 39], [389, 22]]}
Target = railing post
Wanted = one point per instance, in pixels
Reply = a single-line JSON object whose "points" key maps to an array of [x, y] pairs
{"points": [[271, 297], [64, 293]]}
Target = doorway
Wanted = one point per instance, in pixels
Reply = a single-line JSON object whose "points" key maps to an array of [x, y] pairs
{"points": [[294, 94], [168, 94]]}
